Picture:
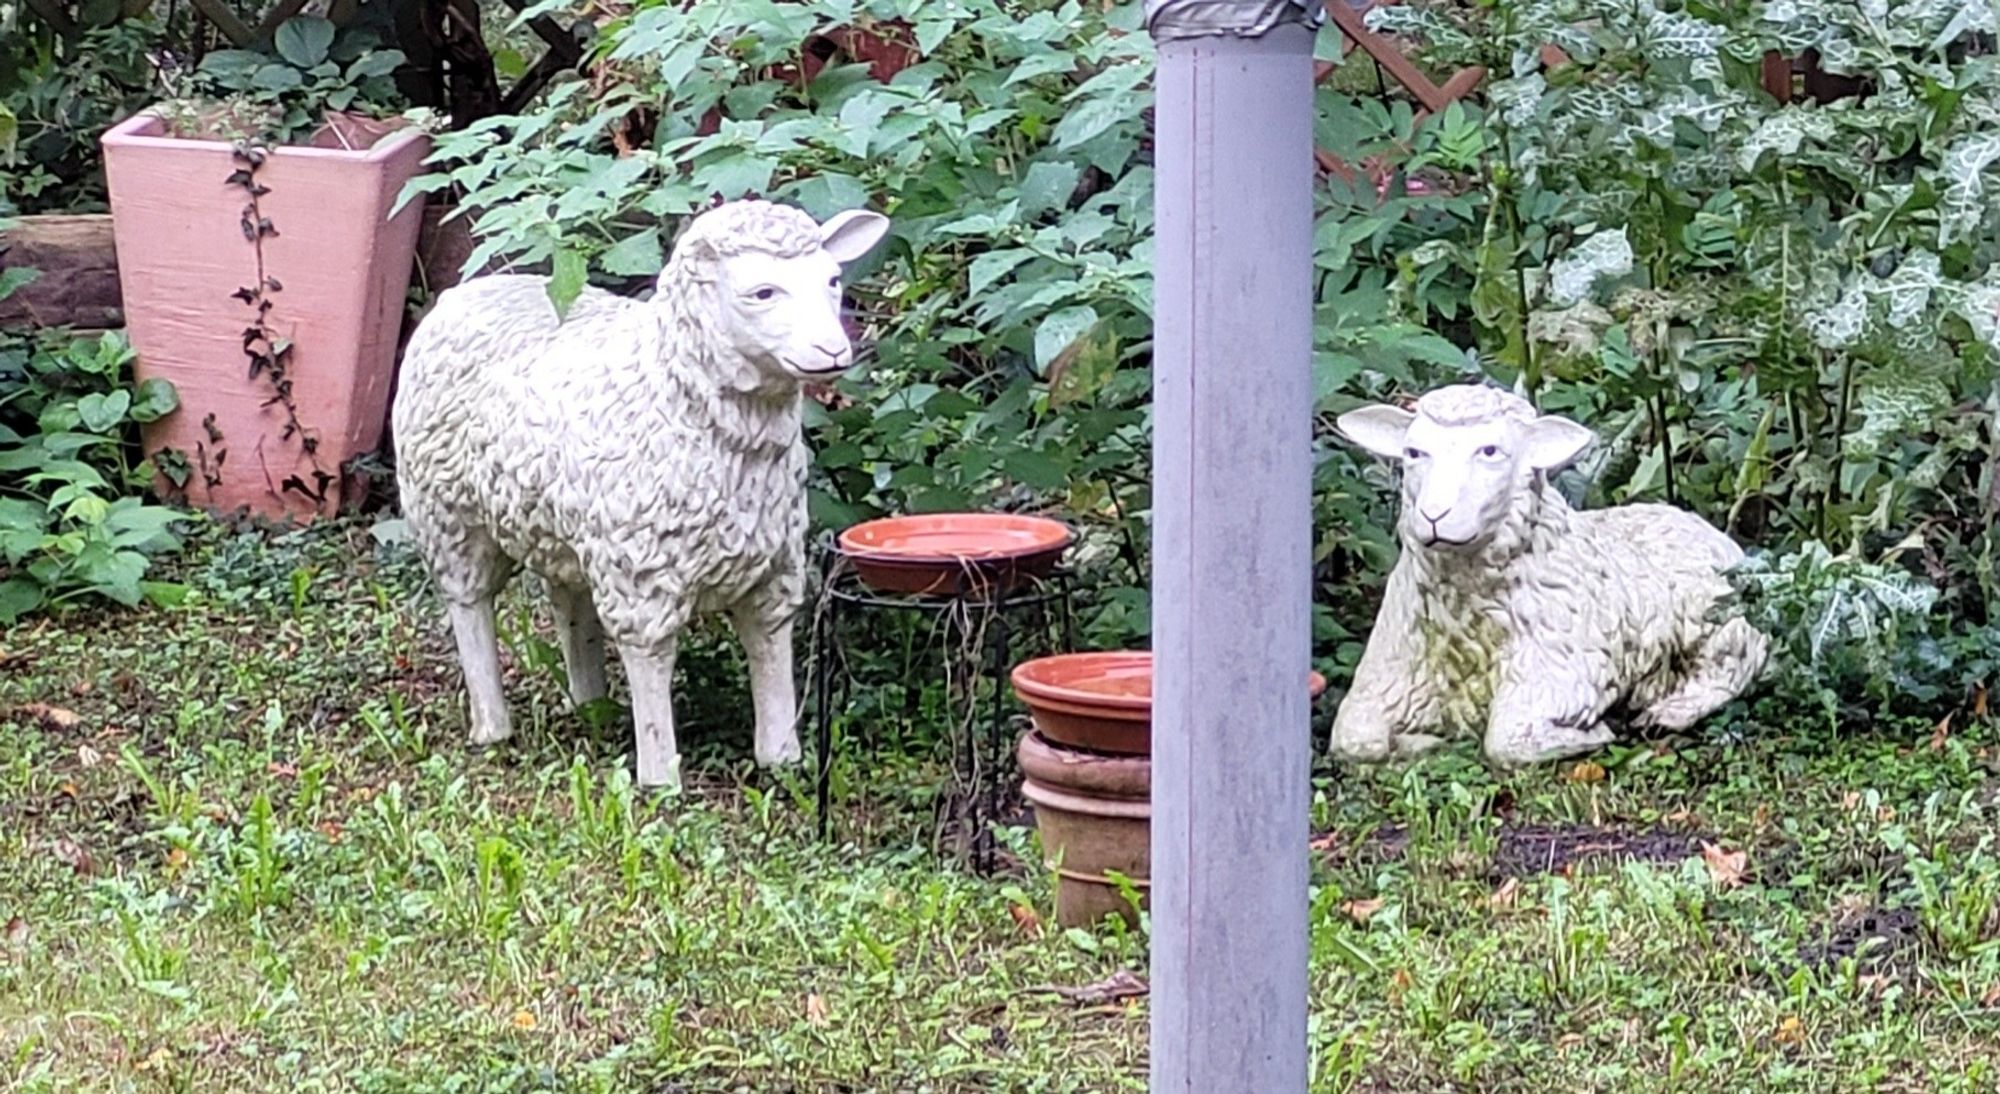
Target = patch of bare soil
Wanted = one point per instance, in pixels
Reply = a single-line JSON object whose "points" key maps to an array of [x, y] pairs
{"points": [[1523, 850], [1876, 936]]}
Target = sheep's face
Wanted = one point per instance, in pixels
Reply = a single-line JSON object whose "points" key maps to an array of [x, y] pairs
{"points": [[1464, 465], [782, 314]]}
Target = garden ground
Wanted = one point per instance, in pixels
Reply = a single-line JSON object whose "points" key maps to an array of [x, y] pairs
{"points": [[243, 847]]}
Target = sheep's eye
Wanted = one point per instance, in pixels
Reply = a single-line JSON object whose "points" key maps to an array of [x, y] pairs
{"points": [[1490, 451], [1414, 453], [833, 282], [765, 293]]}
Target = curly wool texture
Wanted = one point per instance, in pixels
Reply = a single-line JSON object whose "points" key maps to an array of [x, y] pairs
{"points": [[1558, 620], [610, 449]]}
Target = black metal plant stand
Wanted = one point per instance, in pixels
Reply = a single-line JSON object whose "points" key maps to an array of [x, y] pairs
{"points": [[971, 618]]}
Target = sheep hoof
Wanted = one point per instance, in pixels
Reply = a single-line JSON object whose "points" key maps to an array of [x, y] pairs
{"points": [[1412, 745], [481, 738], [780, 755], [667, 776]]}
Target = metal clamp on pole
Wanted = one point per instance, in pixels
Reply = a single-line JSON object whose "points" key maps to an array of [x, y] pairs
{"points": [[1171, 20], [1232, 543]]}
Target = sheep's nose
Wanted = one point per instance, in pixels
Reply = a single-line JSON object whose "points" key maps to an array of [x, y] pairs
{"points": [[837, 353], [1435, 519]]}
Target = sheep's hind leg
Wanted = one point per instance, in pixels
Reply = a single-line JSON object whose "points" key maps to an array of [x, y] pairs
{"points": [[651, 673], [470, 572], [767, 646], [582, 639], [1727, 663]]}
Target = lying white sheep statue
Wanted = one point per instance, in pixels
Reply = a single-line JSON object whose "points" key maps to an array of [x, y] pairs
{"points": [[645, 458], [1511, 612]]}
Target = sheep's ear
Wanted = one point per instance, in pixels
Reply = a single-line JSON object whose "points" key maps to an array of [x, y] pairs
{"points": [[1379, 429], [1553, 442], [849, 235]]}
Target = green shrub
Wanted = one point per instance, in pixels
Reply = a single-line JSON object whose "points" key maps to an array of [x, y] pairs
{"points": [[72, 522]]}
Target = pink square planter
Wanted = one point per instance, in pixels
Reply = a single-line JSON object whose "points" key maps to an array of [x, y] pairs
{"points": [[344, 264]]}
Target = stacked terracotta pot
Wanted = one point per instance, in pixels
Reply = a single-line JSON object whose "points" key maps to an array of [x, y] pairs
{"points": [[1087, 769]]}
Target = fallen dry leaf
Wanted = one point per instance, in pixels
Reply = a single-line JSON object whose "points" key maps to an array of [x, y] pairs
{"points": [[1725, 868], [523, 1020], [1991, 997], [1941, 733], [1850, 801], [1026, 919], [1979, 701], [1791, 1031], [177, 860], [278, 769], [71, 854], [1361, 911], [816, 1011], [1683, 815], [1400, 982], [332, 830], [155, 1060], [87, 756], [67, 789], [1503, 898], [17, 933], [1585, 771], [81, 687], [1568, 1041], [51, 717], [1324, 843], [1119, 985]]}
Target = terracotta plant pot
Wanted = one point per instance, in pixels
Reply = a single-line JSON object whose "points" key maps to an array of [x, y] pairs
{"points": [[1094, 814], [1102, 701], [188, 269]]}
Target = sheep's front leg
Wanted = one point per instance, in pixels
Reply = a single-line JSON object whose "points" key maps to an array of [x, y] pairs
{"points": [[651, 673], [479, 657], [1379, 718], [582, 638], [1541, 713], [766, 634]]}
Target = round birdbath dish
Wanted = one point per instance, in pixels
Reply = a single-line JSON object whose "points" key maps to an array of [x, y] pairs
{"points": [[1101, 701], [949, 554]]}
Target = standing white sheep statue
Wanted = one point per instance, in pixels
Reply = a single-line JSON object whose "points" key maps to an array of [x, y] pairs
{"points": [[1513, 614], [645, 458]]}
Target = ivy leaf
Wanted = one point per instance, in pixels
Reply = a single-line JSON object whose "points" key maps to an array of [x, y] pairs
{"points": [[992, 266], [1090, 118], [231, 67], [637, 255], [156, 399], [15, 279], [381, 62], [276, 78], [304, 40], [164, 594], [10, 131], [1060, 331], [566, 283], [1034, 469], [18, 597], [1048, 185], [102, 412]]}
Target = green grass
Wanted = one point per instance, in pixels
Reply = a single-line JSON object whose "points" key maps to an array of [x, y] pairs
{"points": [[243, 847]]}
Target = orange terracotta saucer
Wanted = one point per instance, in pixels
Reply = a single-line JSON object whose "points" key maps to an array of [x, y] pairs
{"points": [[1102, 701], [949, 553]]}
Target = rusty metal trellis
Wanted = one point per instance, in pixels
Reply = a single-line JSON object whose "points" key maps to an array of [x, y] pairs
{"points": [[1349, 16]]}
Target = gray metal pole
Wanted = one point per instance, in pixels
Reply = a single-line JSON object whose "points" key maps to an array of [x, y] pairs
{"points": [[1232, 537]]}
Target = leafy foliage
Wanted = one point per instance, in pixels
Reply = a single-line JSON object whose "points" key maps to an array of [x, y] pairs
{"points": [[1010, 310], [71, 523], [280, 96]]}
